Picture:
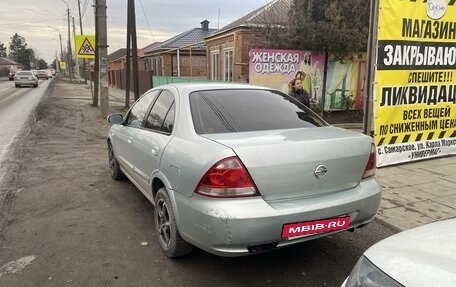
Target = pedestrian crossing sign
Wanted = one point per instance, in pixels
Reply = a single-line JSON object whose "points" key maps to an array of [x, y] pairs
{"points": [[85, 46]]}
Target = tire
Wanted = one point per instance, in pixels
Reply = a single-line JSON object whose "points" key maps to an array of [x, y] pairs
{"points": [[17, 86], [114, 168], [165, 226], [35, 86]]}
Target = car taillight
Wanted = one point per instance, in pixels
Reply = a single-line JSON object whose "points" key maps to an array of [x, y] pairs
{"points": [[227, 178], [371, 165]]}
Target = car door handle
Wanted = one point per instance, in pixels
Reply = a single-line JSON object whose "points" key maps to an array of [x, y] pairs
{"points": [[155, 150]]}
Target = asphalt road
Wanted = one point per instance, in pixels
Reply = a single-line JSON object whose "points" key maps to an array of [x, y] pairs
{"points": [[67, 223]]}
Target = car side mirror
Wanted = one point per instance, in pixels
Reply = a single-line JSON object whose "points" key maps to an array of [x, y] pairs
{"points": [[115, 119]]}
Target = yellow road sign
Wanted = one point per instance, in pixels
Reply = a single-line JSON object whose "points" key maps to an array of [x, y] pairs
{"points": [[62, 65], [85, 46]]}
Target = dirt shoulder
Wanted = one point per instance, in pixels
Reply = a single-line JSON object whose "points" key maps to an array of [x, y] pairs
{"points": [[57, 214]]}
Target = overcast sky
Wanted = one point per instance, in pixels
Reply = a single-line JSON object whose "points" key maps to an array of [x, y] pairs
{"points": [[156, 20]]}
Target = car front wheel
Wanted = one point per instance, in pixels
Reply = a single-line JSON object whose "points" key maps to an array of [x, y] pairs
{"points": [[114, 168], [166, 228]]}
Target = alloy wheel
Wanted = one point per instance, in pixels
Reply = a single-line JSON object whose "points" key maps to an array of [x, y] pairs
{"points": [[163, 223]]}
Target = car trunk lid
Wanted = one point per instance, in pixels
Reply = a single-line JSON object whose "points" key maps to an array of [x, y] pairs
{"points": [[297, 163]]}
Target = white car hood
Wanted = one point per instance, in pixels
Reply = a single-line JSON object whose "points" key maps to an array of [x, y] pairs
{"points": [[423, 256]]}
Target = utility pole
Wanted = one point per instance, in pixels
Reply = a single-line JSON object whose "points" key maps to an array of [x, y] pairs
{"points": [[370, 85], [74, 40], [61, 51], [84, 72], [128, 58], [131, 35], [70, 54], [96, 65], [134, 46], [61, 48], [103, 49], [56, 63]]}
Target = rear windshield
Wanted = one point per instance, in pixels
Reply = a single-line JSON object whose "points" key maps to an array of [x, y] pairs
{"points": [[231, 111], [24, 73]]}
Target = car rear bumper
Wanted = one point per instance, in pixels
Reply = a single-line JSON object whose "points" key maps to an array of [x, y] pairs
{"points": [[236, 227], [25, 82]]}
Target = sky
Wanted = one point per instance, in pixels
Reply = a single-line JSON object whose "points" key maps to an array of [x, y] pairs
{"points": [[41, 21]]}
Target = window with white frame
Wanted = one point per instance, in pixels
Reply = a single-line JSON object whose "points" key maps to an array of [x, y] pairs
{"points": [[214, 65], [228, 65]]}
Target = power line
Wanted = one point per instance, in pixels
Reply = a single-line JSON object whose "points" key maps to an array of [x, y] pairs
{"points": [[147, 21], [84, 7]]}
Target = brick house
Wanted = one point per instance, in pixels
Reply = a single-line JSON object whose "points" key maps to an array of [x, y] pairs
{"points": [[7, 65], [228, 48], [117, 69], [116, 63], [182, 56]]}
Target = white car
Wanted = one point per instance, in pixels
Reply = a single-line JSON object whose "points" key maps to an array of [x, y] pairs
{"points": [[419, 257]]}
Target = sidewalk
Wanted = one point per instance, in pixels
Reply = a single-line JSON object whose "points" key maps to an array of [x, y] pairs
{"points": [[418, 193], [414, 193]]}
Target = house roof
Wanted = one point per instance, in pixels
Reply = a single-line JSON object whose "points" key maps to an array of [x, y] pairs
{"points": [[6, 61], [185, 39], [273, 13], [141, 51], [116, 55]]}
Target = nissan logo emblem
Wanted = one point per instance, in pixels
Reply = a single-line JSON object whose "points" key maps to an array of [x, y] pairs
{"points": [[320, 171]]}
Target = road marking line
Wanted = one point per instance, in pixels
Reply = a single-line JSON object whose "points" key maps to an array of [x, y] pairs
{"points": [[5, 89]]}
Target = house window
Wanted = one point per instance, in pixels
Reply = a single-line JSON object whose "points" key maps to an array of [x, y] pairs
{"points": [[214, 65], [228, 65]]}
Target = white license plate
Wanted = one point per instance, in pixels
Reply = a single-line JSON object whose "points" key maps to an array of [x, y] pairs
{"points": [[301, 229]]}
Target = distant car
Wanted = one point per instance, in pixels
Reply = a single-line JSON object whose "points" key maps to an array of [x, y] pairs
{"points": [[25, 78], [237, 169], [11, 74], [53, 72], [42, 74], [419, 257]]}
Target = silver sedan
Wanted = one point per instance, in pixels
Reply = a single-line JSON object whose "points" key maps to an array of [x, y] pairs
{"points": [[25, 78], [236, 169]]}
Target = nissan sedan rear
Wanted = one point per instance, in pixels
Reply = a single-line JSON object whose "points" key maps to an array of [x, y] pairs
{"points": [[237, 169]]}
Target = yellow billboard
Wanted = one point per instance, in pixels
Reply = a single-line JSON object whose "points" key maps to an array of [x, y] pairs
{"points": [[415, 88]]}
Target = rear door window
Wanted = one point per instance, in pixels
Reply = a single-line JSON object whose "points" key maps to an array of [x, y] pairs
{"points": [[161, 116], [231, 111]]}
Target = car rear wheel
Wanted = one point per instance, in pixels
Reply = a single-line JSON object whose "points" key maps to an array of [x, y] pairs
{"points": [[114, 168], [166, 228]]}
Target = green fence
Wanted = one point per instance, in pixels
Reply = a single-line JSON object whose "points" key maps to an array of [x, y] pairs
{"points": [[163, 80]]}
